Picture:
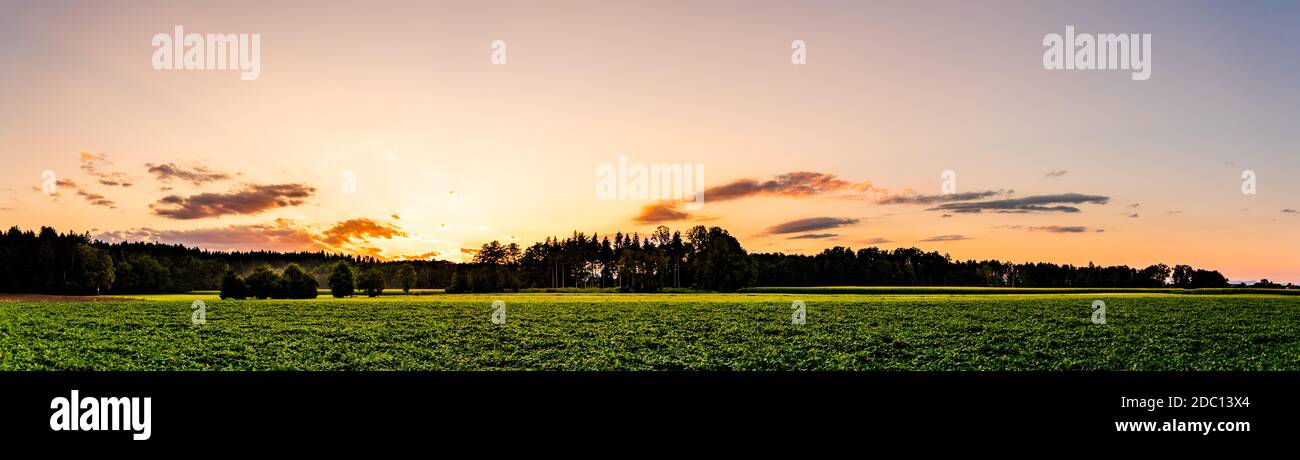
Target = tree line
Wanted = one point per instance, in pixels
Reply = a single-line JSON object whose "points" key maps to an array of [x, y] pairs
{"points": [[50, 262], [706, 258]]}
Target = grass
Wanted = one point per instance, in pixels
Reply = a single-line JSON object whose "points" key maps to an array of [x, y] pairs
{"points": [[845, 330]]}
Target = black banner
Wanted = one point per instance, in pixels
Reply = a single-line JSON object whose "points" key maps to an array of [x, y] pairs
{"points": [[396, 408]]}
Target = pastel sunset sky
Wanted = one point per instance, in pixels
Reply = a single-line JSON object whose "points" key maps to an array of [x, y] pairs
{"points": [[449, 150]]}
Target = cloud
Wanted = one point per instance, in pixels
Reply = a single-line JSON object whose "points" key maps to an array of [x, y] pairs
{"points": [[96, 165], [352, 230], [252, 199], [468, 251], [1289, 211], [96, 199], [1062, 229], [813, 236], [58, 184], [1134, 205], [875, 241], [941, 198], [197, 175], [284, 235], [1056, 173], [810, 224], [1133, 215], [426, 256], [941, 238], [798, 184], [1038, 203], [659, 212]]}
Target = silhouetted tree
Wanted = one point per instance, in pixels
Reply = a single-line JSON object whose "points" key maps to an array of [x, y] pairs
{"points": [[298, 284], [406, 278], [341, 282], [232, 286], [371, 281], [265, 283], [96, 268]]}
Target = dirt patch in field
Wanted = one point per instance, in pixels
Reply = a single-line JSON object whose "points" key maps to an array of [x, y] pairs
{"points": [[60, 298]]}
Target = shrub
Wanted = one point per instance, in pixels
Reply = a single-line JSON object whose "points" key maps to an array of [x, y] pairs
{"points": [[371, 282], [342, 284], [232, 286]]}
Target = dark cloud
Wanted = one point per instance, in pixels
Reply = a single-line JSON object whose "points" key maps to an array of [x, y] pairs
{"points": [[1061, 229], [814, 236], [941, 198], [796, 184], [941, 238], [1038, 203], [1056, 173], [799, 184], [197, 175], [252, 199], [810, 224], [875, 241], [1289, 211], [659, 212]]}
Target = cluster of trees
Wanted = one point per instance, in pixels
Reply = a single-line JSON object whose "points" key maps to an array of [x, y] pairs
{"points": [[295, 283], [50, 262], [840, 266], [265, 283], [702, 258], [706, 258], [71, 263]]}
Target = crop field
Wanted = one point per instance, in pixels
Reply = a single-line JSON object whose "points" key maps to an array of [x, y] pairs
{"points": [[608, 331]]}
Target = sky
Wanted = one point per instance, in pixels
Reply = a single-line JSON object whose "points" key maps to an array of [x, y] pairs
{"points": [[394, 129]]}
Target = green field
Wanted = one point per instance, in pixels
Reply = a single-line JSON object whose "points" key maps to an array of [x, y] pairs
{"points": [[602, 331]]}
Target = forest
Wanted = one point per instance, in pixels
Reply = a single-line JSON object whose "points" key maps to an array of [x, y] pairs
{"points": [[703, 258]]}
